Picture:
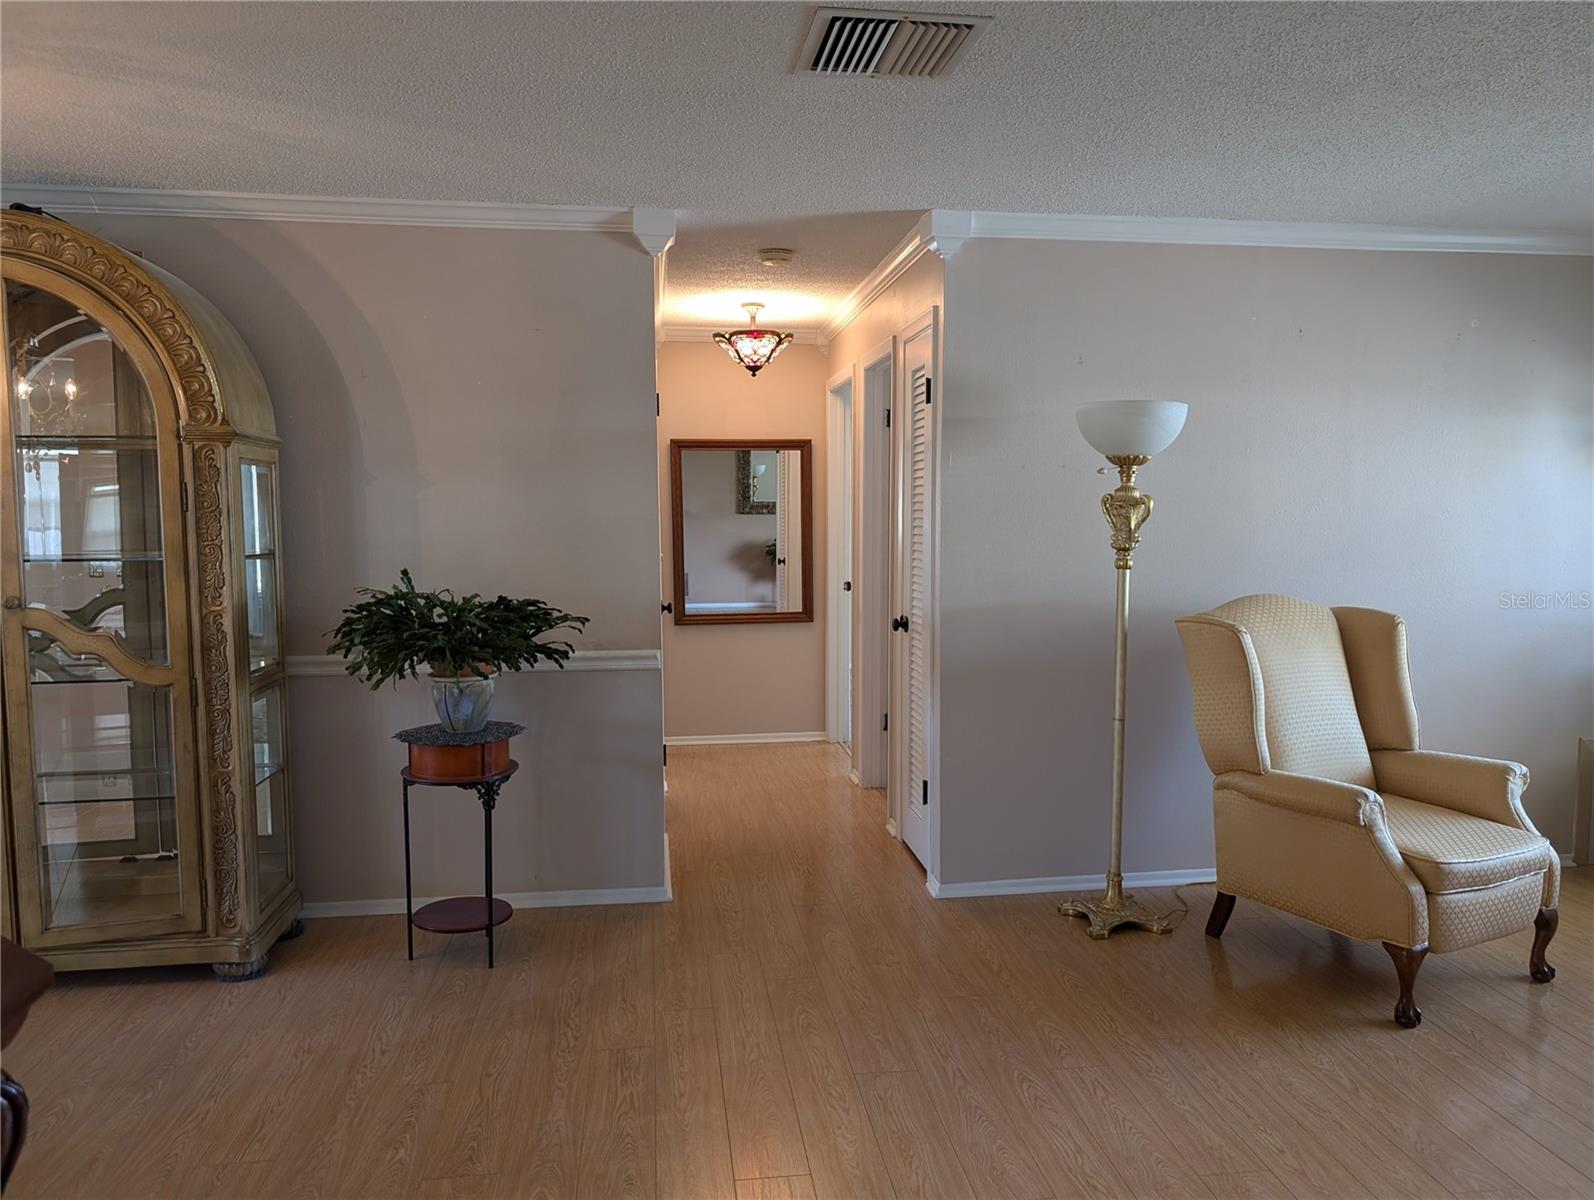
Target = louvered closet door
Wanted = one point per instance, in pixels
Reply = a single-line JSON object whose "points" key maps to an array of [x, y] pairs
{"points": [[788, 531], [913, 643]]}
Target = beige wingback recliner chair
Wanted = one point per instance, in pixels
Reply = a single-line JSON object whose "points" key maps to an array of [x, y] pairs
{"points": [[1326, 808]]}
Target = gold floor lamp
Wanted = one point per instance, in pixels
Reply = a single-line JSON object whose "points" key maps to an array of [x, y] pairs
{"points": [[1128, 432]]}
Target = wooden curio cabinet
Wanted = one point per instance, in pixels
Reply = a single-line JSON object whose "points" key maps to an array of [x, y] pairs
{"points": [[145, 709]]}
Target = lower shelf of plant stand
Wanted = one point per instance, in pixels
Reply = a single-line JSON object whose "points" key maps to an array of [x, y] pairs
{"points": [[460, 914]]}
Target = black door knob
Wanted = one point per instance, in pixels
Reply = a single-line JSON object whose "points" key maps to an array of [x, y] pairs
{"points": [[899, 624]]}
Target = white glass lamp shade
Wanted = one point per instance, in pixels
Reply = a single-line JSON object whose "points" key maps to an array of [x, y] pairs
{"points": [[1132, 427]]}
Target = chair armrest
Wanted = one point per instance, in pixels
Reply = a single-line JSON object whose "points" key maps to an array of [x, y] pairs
{"points": [[1489, 788], [1307, 794], [1319, 849]]}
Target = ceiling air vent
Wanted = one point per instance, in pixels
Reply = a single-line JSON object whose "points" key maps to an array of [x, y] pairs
{"points": [[882, 44]]}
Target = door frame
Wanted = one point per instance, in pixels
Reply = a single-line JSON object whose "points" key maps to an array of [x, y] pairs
{"points": [[872, 570], [840, 395], [927, 324]]}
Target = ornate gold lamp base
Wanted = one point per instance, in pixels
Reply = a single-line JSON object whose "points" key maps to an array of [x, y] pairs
{"points": [[1128, 433], [1115, 909]]}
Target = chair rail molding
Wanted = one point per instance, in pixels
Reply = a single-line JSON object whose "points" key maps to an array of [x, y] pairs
{"points": [[308, 665]]}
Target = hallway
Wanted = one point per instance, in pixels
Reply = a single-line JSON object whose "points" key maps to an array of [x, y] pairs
{"points": [[804, 1020]]}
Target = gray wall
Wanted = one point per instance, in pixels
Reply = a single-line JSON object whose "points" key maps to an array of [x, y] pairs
{"points": [[1405, 431], [476, 405]]}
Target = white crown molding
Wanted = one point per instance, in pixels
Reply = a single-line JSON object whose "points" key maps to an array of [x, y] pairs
{"points": [[312, 665], [1290, 234], [654, 228], [743, 739], [646, 224], [1065, 883], [703, 333], [940, 230], [945, 231]]}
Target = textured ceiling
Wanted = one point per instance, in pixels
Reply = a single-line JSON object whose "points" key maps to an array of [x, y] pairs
{"points": [[713, 266], [1466, 115]]}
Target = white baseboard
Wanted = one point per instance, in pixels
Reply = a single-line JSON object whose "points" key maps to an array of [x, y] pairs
{"points": [[1568, 861], [891, 828], [853, 778], [743, 739], [1065, 883], [570, 899]]}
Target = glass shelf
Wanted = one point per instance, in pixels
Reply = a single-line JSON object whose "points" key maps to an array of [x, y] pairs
{"points": [[113, 783], [58, 682], [90, 556], [88, 441], [91, 773], [161, 796]]}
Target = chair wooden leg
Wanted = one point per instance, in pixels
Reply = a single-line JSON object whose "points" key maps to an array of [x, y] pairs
{"points": [[1407, 964], [1222, 910], [1544, 926]]}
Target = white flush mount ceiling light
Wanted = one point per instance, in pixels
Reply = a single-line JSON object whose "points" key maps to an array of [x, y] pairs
{"points": [[753, 347], [883, 44]]}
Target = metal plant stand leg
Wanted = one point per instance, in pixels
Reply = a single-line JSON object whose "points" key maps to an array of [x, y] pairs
{"points": [[409, 903], [489, 797], [486, 767]]}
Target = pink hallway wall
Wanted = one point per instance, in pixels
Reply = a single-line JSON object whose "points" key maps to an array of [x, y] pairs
{"points": [[729, 680]]}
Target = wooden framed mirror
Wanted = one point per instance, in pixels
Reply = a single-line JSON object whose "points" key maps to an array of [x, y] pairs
{"points": [[742, 530]]}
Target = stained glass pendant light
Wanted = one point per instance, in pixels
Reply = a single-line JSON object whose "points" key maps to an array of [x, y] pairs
{"points": [[754, 348]]}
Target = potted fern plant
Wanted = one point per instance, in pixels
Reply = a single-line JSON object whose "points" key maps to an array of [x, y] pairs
{"points": [[465, 641]]}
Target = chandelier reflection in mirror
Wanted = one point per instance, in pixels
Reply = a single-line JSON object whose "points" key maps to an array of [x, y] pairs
{"points": [[46, 385], [753, 347]]}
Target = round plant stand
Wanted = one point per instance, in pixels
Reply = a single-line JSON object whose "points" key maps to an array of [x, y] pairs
{"points": [[476, 762]]}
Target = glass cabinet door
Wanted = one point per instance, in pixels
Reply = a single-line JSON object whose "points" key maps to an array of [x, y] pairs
{"points": [[259, 511], [263, 633], [271, 792], [105, 788], [94, 635]]}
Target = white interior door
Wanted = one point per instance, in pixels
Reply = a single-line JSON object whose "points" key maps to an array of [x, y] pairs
{"points": [[873, 586], [912, 716], [789, 566], [840, 591]]}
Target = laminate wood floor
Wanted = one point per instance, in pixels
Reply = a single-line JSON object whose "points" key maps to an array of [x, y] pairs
{"points": [[805, 1021]]}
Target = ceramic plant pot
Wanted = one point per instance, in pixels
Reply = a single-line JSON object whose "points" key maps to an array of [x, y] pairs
{"points": [[463, 701]]}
